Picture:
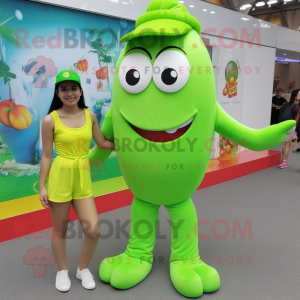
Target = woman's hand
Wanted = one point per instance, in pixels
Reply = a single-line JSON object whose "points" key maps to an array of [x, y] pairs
{"points": [[113, 146], [44, 198]]}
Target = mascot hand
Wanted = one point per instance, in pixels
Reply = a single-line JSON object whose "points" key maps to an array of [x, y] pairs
{"points": [[274, 135]]}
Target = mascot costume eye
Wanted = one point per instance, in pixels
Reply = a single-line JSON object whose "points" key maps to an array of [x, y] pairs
{"points": [[155, 78]]}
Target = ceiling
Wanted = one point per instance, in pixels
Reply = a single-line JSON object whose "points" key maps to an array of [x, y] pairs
{"points": [[275, 8], [289, 54]]}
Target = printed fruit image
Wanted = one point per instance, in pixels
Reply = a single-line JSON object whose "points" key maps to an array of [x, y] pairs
{"points": [[228, 149], [231, 75], [102, 73], [82, 65], [3, 116], [100, 102], [231, 80], [99, 85], [231, 70], [234, 150], [14, 115]]}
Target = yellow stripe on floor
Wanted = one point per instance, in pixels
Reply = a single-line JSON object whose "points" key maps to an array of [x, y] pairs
{"points": [[20, 206]]}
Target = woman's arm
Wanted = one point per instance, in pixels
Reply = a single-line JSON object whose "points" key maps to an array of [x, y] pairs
{"points": [[98, 136], [47, 138]]}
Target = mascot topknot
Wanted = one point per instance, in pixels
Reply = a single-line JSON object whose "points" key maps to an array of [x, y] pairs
{"points": [[163, 113]]}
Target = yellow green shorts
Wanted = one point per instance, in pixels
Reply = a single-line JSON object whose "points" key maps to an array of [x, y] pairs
{"points": [[69, 178]]}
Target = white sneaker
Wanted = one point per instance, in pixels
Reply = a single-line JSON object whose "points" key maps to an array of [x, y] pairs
{"points": [[87, 278], [63, 282]]}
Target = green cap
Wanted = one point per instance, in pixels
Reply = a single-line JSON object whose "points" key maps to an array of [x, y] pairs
{"points": [[163, 18], [67, 75]]}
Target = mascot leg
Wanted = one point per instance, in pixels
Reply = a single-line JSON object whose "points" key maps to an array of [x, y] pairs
{"points": [[131, 267], [190, 276]]}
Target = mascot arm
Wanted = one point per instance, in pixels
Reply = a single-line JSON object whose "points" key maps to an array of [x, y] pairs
{"points": [[253, 139], [98, 156]]}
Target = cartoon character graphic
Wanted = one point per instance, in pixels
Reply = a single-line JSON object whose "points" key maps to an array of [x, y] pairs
{"points": [[39, 258], [152, 131], [41, 68]]}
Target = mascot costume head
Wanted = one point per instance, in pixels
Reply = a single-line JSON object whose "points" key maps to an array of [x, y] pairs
{"points": [[163, 113]]}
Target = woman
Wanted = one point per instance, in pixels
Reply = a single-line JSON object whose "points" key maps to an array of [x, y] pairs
{"points": [[291, 137], [71, 126]]}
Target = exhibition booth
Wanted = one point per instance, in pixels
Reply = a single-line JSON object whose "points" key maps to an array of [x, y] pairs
{"points": [[41, 38]]}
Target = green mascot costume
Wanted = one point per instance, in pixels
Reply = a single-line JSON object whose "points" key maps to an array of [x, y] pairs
{"points": [[163, 113]]}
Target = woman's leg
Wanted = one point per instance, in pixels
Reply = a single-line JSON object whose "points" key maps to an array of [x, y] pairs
{"points": [[87, 214], [286, 150], [60, 216]]}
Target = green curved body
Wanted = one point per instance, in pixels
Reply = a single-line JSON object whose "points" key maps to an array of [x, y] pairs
{"points": [[147, 166]]}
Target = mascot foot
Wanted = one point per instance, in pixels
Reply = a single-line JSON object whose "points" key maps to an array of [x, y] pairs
{"points": [[191, 278], [123, 271]]}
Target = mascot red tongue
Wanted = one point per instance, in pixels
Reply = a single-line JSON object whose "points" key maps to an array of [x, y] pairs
{"points": [[161, 136]]}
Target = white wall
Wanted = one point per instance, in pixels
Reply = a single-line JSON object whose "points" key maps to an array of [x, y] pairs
{"points": [[288, 39], [257, 85], [271, 35]]}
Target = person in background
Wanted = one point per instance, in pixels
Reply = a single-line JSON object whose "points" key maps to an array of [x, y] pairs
{"points": [[277, 103], [296, 146], [291, 135]]}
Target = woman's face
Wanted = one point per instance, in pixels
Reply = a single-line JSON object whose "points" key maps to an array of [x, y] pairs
{"points": [[298, 97], [69, 93]]}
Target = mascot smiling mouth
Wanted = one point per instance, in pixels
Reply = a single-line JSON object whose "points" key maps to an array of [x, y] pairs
{"points": [[165, 135]]}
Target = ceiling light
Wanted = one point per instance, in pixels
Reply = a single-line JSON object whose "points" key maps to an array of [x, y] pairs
{"points": [[284, 54], [191, 5], [260, 4], [272, 2], [212, 12], [204, 9], [245, 19], [124, 2], [245, 6]]}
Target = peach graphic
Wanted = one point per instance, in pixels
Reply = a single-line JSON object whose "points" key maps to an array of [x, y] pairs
{"points": [[41, 68], [39, 258], [82, 65], [102, 73], [14, 115]]}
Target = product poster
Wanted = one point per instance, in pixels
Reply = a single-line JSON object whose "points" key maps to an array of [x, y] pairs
{"points": [[38, 41], [229, 69]]}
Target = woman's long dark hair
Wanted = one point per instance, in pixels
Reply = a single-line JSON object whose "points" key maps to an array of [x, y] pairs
{"points": [[57, 103], [293, 96]]}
